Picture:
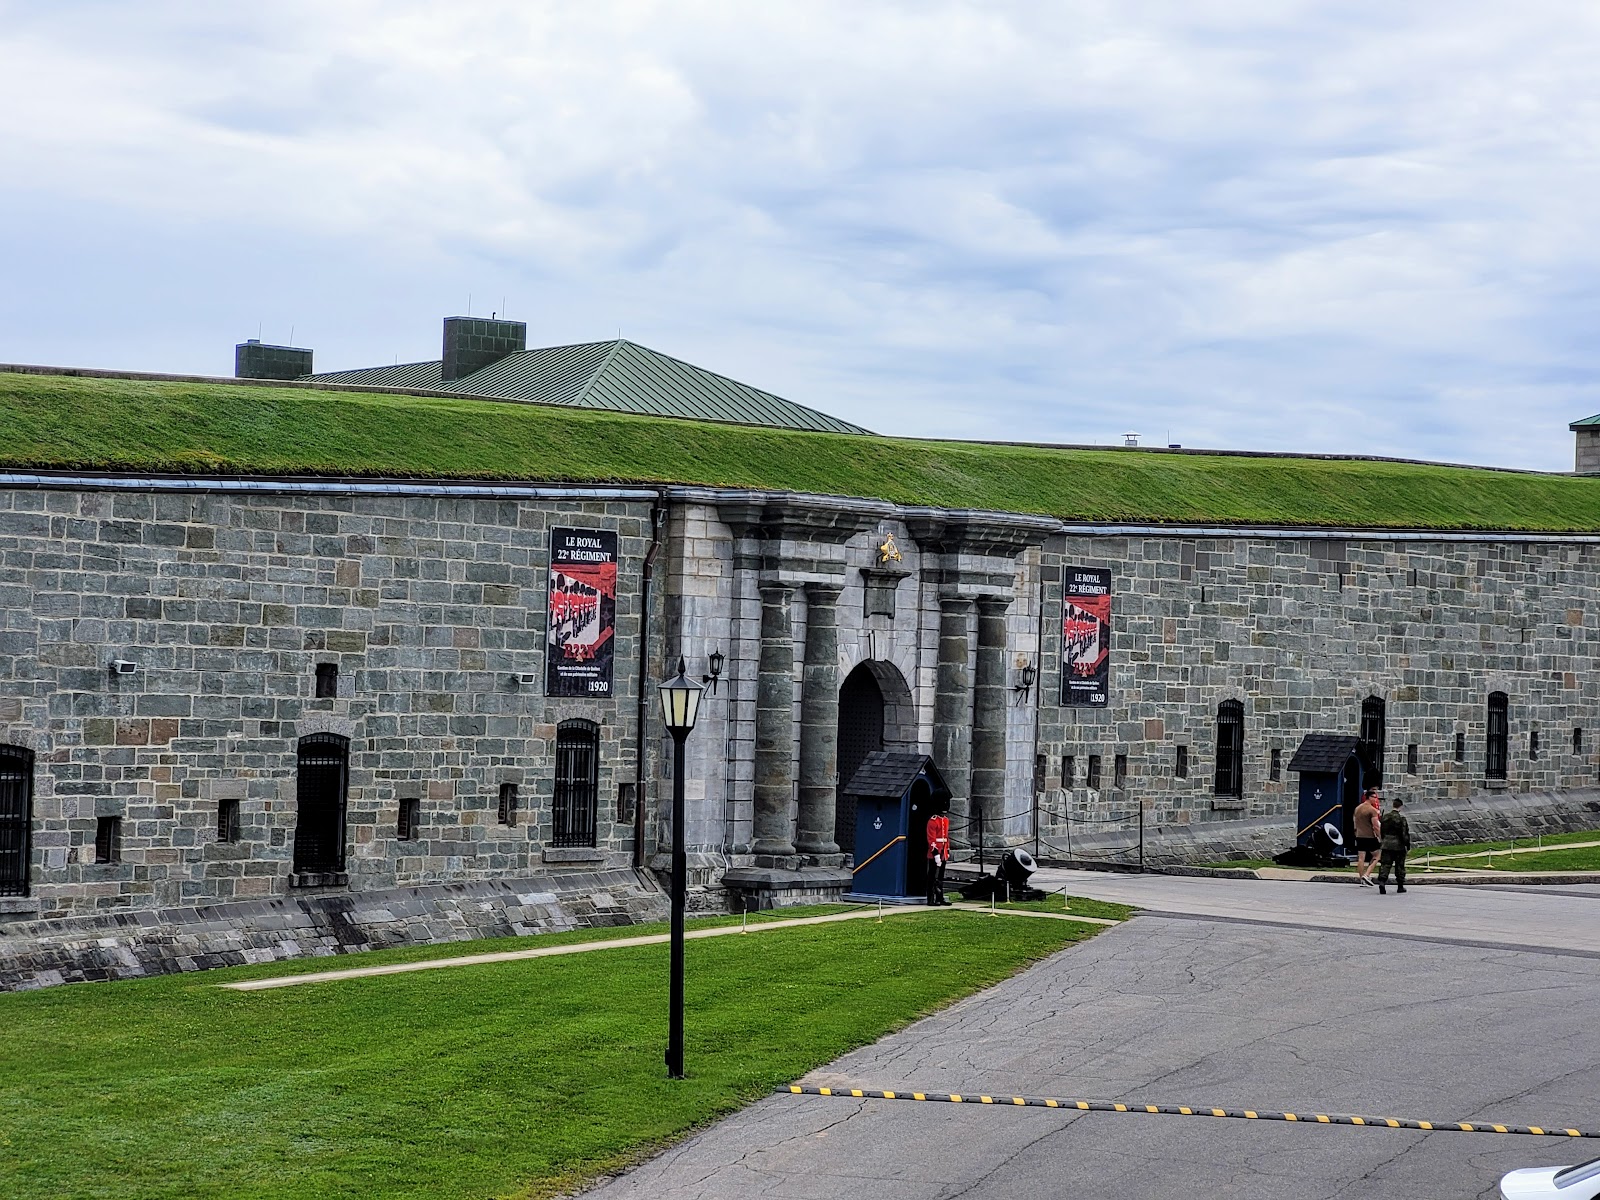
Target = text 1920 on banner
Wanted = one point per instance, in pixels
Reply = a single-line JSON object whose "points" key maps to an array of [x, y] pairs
{"points": [[580, 645], [1086, 638]]}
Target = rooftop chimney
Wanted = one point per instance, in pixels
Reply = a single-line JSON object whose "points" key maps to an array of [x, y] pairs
{"points": [[473, 343], [254, 360]]}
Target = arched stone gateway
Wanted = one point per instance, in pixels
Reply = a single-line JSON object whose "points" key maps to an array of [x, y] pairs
{"points": [[876, 712]]}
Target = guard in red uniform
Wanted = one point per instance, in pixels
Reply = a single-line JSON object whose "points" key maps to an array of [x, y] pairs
{"points": [[938, 855]]}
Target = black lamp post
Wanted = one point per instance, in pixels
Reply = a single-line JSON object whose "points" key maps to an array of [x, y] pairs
{"points": [[680, 705]]}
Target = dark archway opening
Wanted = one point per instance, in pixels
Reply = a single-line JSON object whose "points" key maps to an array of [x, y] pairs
{"points": [[860, 733]]}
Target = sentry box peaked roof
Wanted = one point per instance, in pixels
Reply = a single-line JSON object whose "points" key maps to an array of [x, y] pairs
{"points": [[890, 773], [621, 376], [1323, 753]]}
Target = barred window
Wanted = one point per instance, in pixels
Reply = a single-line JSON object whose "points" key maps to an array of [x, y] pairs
{"points": [[1495, 752], [1093, 778], [409, 819], [1370, 745], [1275, 771], [322, 787], [573, 811], [507, 814], [16, 818], [1230, 749]]}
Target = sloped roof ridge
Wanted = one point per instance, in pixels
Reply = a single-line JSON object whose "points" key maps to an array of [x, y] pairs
{"points": [[594, 377]]}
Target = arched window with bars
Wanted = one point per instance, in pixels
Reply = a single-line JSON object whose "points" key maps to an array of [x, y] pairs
{"points": [[1370, 741], [574, 811], [321, 792], [16, 818], [1495, 753], [1230, 749]]}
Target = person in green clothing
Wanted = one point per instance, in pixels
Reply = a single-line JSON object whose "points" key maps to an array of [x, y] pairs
{"points": [[1396, 842]]}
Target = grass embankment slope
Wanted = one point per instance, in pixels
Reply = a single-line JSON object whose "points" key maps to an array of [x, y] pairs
{"points": [[514, 1079], [63, 422]]}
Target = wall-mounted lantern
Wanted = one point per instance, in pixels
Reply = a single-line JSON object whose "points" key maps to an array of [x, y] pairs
{"points": [[1026, 674], [717, 661]]}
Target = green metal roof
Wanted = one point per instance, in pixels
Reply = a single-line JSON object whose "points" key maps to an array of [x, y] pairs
{"points": [[1594, 420], [619, 375], [428, 375]]}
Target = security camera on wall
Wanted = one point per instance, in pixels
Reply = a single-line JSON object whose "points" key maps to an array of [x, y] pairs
{"points": [[121, 666]]}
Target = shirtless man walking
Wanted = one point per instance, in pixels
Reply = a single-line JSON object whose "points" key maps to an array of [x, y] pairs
{"points": [[1368, 836]]}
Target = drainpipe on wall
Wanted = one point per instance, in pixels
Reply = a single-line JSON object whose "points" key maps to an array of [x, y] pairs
{"points": [[658, 517]]}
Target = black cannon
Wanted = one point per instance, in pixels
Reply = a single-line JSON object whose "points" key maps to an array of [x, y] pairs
{"points": [[1009, 881]]}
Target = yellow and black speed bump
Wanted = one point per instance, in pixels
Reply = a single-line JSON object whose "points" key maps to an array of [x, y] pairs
{"points": [[1179, 1110]]}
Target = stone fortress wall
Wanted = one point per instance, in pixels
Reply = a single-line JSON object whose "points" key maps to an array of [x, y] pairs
{"points": [[428, 605], [1303, 628], [430, 600]]}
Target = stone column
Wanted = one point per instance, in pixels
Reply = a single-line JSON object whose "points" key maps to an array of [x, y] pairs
{"points": [[774, 725], [989, 715], [819, 722], [952, 712]]}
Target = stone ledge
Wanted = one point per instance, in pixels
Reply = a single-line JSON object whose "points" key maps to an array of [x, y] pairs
{"points": [[572, 854], [316, 879]]}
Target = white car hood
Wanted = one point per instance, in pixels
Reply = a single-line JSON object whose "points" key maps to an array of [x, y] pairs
{"points": [[1538, 1183]]}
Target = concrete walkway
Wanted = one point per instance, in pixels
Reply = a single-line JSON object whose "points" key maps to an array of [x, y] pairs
{"points": [[1548, 917], [1230, 1012], [651, 939]]}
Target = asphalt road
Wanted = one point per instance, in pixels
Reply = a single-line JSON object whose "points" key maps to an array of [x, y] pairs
{"points": [[1260, 1007]]}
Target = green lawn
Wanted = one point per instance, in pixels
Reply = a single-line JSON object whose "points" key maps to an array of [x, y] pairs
{"points": [[65, 422], [1450, 855], [514, 1079], [1078, 906]]}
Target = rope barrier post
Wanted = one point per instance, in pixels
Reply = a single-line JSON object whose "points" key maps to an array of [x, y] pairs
{"points": [[1141, 835], [978, 815]]}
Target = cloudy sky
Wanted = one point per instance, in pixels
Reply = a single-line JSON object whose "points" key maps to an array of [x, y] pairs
{"points": [[1340, 227]]}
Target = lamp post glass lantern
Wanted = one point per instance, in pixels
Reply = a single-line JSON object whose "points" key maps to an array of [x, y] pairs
{"points": [[680, 705]]}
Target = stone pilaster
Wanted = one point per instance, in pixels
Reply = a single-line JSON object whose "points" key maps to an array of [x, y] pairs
{"points": [[952, 712], [774, 725], [989, 714], [819, 723]]}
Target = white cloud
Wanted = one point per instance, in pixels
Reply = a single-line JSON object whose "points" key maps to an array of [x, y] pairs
{"points": [[1341, 227]]}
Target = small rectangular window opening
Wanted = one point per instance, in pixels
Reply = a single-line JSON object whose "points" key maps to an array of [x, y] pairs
{"points": [[508, 804], [1093, 779], [626, 793], [228, 820], [1181, 767], [1461, 747], [1119, 771], [327, 681], [1413, 755], [1038, 772], [1577, 741], [108, 840], [1275, 770], [1533, 745], [1069, 771], [409, 819]]}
